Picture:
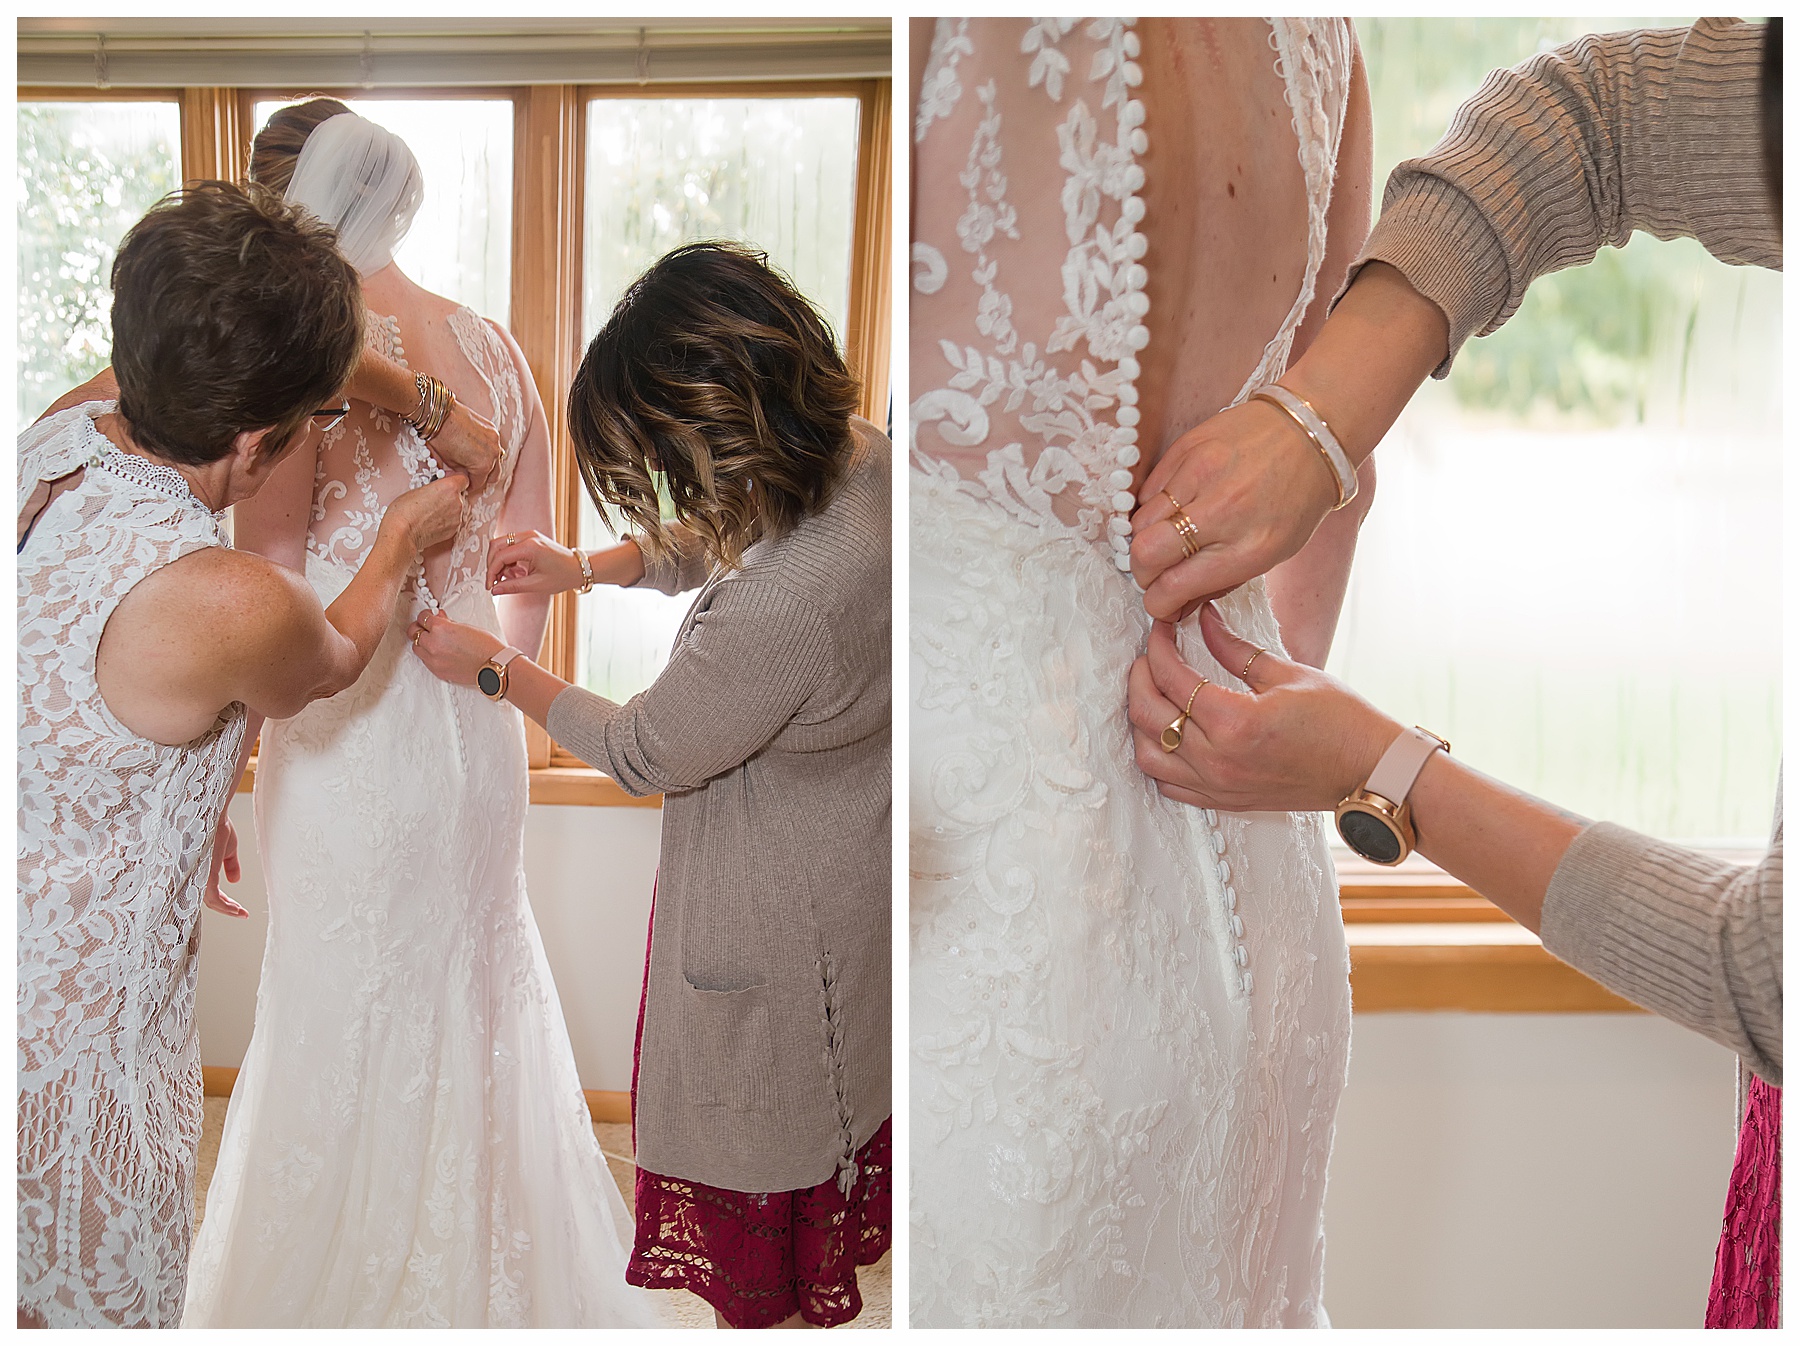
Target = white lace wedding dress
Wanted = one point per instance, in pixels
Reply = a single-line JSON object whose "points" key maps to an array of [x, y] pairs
{"points": [[407, 1143], [1130, 1018]]}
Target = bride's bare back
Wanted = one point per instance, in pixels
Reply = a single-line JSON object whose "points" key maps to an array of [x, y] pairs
{"points": [[1225, 210]]}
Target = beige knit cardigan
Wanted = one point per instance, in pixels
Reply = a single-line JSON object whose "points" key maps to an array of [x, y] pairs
{"points": [[1576, 148], [766, 1028]]}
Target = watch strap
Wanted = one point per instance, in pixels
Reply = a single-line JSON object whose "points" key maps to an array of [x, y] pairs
{"points": [[505, 655], [1401, 764]]}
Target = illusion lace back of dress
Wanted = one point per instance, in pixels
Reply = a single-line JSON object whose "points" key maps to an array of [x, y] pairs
{"points": [[114, 836], [372, 456], [1130, 1018], [1039, 306]]}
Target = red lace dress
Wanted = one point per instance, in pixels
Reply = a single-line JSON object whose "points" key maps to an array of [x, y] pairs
{"points": [[761, 1257], [1746, 1288]]}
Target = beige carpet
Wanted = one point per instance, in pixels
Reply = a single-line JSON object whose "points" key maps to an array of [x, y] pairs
{"points": [[877, 1282]]}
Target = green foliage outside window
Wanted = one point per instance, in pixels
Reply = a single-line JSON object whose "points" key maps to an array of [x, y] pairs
{"points": [[87, 171], [1583, 346]]}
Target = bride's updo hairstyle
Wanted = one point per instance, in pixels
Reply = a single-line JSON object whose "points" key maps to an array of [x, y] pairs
{"points": [[355, 176], [232, 311], [714, 373], [277, 146]]}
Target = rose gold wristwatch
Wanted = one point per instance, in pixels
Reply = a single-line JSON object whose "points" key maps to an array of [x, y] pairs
{"points": [[491, 676], [1376, 821]]}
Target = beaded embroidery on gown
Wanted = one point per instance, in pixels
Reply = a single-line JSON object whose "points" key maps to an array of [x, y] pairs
{"points": [[115, 835], [407, 1143], [1130, 1018]]}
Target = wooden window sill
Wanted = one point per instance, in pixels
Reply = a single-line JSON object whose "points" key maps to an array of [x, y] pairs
{"points": [[1421, 940], [1477, 966], [549, 785]]}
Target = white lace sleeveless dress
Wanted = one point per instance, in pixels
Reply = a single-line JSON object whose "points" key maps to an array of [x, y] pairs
{"points": [[407, 1143], [1130, 1018], [115, 835]]}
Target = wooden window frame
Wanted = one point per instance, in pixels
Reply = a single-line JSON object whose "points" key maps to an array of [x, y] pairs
{"points": [[549, 143], [867, 340]]}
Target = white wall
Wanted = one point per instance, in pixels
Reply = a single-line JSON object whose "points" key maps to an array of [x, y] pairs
{"points": [[589, 872], [1527, 1170], [1490, 1171]]}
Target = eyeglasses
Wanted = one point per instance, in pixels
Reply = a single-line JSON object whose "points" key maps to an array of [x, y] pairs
{"points": [[336, 414]]}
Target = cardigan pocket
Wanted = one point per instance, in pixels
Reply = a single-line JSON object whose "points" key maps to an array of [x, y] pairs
{"points": [[728, 1052]]}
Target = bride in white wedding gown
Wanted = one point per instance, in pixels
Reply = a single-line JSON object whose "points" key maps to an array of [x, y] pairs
{"points": [[407, 1143], [1130, 1018]]}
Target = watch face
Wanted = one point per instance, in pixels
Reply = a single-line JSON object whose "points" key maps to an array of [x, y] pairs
{"points": [[488, 679], [1370, 836]]}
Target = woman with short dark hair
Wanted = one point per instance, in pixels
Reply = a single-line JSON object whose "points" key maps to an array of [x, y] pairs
{"points": [[761, 1100], [144, 641]]}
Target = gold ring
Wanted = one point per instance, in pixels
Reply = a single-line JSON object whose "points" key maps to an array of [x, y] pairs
{"points": [[1184, 528], [1171, 734], [1245, 675], [1188, 709], [416, 640], [1171, 498]]}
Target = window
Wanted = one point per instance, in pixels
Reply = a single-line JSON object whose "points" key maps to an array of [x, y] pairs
{"points": [[87, 171], [460, 243], [776, 172], [1572, 567], [543, 200]]}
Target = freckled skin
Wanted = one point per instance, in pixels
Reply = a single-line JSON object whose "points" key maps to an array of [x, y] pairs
{"points": [[1223, 191]]}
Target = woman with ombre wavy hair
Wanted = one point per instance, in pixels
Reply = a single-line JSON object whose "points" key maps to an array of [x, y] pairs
{"points": [[761, 1097]]}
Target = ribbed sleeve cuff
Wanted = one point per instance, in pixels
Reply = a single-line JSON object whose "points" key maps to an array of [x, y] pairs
{"points": [[1439, 240], [578, 720], [1587, 906], [1690, 937], [662, 573]]}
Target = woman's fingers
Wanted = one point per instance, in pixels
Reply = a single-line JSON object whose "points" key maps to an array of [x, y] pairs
{"points": [[1259, 667], [1177, 680], [1146, 706], [503, 554]]}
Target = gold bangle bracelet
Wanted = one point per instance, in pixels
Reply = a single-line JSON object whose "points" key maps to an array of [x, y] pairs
{"points": [[1305, 429]]}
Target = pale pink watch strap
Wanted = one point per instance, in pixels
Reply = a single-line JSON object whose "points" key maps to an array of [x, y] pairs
{"points": [[1401, 764], [505, 655]]}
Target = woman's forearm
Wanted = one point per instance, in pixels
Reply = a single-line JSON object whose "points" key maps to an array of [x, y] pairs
{"points": [[1503, 843], [532, 689], [362, 611], [383, 382], [1306, 591], [523, 618], [1381, 342], [621, 564]]}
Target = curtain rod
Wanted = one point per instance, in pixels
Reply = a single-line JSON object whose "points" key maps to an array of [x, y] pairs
{"points": [[105, 58]]}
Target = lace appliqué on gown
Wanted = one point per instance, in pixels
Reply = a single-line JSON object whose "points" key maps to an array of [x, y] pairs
{"points": [[407, 1143], [1130, 1018], [115, 833]]}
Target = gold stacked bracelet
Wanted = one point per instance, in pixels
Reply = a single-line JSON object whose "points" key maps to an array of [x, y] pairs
{"points": [[435, 401]]}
